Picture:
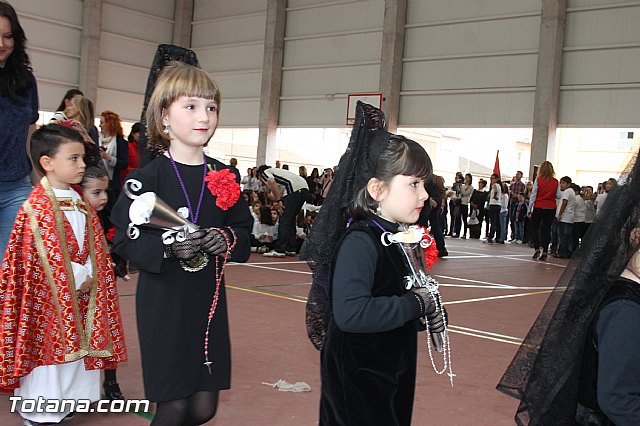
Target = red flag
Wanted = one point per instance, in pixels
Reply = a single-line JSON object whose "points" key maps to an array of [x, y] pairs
{"points": [[496, 166]]}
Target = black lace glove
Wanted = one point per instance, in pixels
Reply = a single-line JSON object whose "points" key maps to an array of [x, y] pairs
{"points": [[435, 318], [119, 265], [427, 304], [214, 242], [187, 249], [120, 268]]}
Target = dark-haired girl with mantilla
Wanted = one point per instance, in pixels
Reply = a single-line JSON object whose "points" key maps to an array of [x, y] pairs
{"points": [[369, 350]]}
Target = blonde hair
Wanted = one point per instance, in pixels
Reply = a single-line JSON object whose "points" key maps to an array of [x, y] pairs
{"points": [[85, 111], [546, 170], [176, 80]]}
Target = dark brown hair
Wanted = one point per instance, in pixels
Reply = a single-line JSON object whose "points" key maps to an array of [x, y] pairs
{"points": [[401, 156]]}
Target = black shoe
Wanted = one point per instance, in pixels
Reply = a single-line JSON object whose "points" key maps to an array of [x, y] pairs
{"points": [[443, 253], [536, 255], [543, 258], [112, 390]]}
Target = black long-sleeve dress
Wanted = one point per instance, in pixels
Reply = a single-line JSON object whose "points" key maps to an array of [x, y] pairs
{"points": [[173, 305], [368, 361]]}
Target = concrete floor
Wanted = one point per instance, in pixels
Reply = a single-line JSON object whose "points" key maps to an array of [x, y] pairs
{"points": [[492, 294]]}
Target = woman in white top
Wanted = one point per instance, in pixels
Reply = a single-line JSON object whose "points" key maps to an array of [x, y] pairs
{"points": [[251, 181], [264, 230], [579, 216], [114, 151], [466, 189], [495, 205], [504, 212], [601, 198]]}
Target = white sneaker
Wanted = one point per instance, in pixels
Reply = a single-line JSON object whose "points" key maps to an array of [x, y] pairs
{"points": [[291, 253], [274, 253]]}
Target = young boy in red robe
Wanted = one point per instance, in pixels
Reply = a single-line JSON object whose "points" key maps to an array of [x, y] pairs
{"points": [[60, 320]]}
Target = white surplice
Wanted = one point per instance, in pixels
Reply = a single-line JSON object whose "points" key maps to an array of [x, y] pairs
{"points": [[69, 380]]}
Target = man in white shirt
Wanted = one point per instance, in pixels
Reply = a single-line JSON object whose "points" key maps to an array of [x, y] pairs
{"points": [[566, 216], [288, 191]]}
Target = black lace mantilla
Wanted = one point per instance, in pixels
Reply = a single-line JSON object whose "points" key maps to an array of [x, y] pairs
{"points": [[165, 54], [545, 372], [356, 166]]}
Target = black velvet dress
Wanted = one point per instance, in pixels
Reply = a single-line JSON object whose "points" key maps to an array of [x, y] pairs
{"points": [[172, 305], [368, 375]]}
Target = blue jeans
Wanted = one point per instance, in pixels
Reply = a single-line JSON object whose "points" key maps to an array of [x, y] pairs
{"points": [[504, 222], [12, 195], [519, 230], [565, 239]]}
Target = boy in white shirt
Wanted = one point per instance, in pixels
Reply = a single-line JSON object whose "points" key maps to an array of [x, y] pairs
{"points": [[579, 218], [566, 215]]}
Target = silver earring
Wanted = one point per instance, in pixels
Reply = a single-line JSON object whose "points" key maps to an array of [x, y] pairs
{"points": [[166, 130], [378, 210]]}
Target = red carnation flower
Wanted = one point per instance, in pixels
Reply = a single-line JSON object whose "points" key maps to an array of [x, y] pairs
{"points": [[431, 254], [430, 251], [223, 185], [111, 234]]}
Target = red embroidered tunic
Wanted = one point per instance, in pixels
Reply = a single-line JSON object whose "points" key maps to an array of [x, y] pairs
{"points": [[44, 320]]}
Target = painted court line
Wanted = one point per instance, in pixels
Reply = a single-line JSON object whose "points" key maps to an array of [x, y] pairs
{"points": [[488, 333], [252, 265], [264, 293], [485, 256], [452, 328], [489, 287], [474, 281], [278, 285], [495, 339], [538, 262], [506, 296], [486, 284], [292, 262]]}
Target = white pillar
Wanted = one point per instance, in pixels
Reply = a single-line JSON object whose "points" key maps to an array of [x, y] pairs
{"points": [[182, 19], [90, 48], [271, 81], [548, 74], [395, 14]]}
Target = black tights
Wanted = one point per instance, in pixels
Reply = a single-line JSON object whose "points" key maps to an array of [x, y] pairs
{"points": [[197, 409], [541, 222]]}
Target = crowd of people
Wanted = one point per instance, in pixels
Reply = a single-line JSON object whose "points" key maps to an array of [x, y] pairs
{"points": [[552, 216], [283, 206], [66, 231]]}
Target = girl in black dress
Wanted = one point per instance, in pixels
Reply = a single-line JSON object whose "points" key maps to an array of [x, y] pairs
{"points": [[369, 343], [181, 304]]}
